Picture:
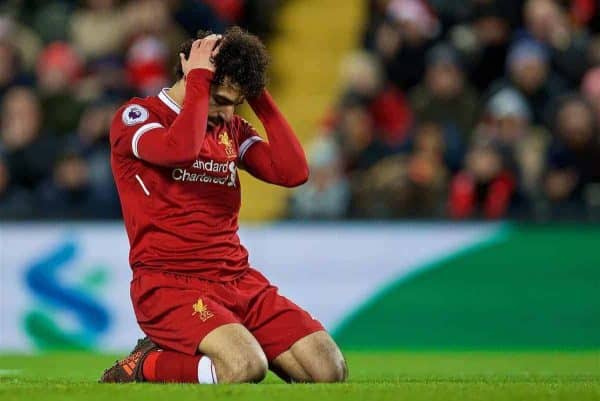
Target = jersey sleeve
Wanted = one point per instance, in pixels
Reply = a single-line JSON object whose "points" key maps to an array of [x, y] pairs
{"points": [[247, 136], [136, 131], [129, 124], [281, 161]]}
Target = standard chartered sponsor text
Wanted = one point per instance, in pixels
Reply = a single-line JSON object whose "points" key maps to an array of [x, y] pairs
{"points": [[183, 174], [212, 166]]}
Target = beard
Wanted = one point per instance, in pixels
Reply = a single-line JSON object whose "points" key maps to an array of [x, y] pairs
{"points": [[214, 121]]}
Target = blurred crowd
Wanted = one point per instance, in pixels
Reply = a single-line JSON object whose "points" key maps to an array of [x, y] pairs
{"points": [[464, 109], [65, 67]]}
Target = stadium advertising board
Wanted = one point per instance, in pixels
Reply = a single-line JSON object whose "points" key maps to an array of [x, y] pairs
{"points": [[392, 285]]}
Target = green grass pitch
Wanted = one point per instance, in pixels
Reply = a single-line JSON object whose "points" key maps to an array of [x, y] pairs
{"points": [[443, 376]]}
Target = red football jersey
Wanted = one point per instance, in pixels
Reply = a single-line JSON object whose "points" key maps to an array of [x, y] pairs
{"points": [[182, 219]]}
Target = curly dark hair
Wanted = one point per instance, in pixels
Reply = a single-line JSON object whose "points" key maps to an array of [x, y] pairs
{"points": [[242, 58]]}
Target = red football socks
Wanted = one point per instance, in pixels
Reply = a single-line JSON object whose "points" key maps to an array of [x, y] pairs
{"points": [[174, 367]]}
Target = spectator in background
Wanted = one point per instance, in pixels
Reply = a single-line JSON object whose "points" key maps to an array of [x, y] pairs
{"points": [[152, 33], [105, 78], [376, 15], [69, 192], [15, 202], [571, 182], [450, 139], [593, 52], [92, 143], [326, 195], [590, 89], [583, 13], [506, 118], [453, 13], [22, 38], [484, 42], [427, 171], [445, 97], [50, 19], [530, 73], [405, 185], [402, 40], [524, 55], [146, 65], [152, 18], [28, 152], [485, 187], [58, 71], [11, 72], [230, 11], [80, 58], [549, 24], [507, 122], [260, 15], [381, 192], [98, 29], [364, 82], [355, 133], [193, 15], [538, 48]]}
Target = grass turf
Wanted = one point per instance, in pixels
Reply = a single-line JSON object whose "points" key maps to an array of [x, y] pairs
{"points": [[443, 376]]}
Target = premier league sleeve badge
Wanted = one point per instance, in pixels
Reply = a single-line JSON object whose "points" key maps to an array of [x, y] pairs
{"points": [[134, 114]]}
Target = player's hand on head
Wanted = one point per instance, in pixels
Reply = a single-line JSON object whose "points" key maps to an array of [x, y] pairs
{"points": [[201, 54]]}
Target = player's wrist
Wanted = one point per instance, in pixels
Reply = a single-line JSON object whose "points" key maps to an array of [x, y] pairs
{"points": [[199, 74]]}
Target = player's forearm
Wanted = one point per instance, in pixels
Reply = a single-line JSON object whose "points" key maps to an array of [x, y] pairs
{"points": [[288, 165], [181, 143]]}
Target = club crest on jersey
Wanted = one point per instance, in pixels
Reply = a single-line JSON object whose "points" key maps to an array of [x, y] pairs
{"points": [[201, 310], [134, 114], [226, 141]]}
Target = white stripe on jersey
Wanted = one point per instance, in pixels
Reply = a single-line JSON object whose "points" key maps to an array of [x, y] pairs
{"points": [[166, 99], [139, 179], [138, 134], [247, 143]]}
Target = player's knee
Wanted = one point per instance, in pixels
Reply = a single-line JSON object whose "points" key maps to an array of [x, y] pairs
{"points": [[251, 369], [248, 368], [333, 369]]}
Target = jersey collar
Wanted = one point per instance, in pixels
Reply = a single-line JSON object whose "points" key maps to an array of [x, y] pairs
{"points": [[168, 101]]}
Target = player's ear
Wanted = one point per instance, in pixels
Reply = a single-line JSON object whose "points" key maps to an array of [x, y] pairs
{"points": [[182, 60]]}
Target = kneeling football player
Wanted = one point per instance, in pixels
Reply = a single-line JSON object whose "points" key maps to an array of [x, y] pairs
{"points": [[209, 317]]}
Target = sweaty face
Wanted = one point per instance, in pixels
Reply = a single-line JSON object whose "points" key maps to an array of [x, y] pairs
{"points": [[223, 100]]}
